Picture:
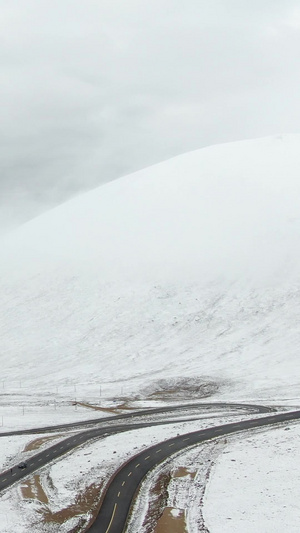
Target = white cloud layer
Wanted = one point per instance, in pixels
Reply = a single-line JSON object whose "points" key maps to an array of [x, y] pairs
{"points": [[94, 90]]}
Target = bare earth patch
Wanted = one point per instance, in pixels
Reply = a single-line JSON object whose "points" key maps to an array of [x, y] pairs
{"points": [[172, 520], [181, 389], [157, 502], [37, 443], [32, 489], [183, 472], [114, 410], [85, 506]]}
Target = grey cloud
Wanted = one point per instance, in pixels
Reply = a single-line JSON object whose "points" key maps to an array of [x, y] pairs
{"points": [[92, 90]]}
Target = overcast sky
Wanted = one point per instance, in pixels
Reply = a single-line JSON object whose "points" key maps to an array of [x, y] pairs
{"points": [[92, 90]]}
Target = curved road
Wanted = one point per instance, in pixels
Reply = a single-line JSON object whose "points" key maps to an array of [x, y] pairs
{"points": [[121, 490], [117, 501], [136, 414], [9, 477]]}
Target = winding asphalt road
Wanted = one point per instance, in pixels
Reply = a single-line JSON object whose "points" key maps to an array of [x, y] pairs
{"points": [[136, 414], [121, 490], [9, 477], [118, 497]]}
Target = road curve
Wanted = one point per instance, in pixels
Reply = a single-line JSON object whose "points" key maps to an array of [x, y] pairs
{"points": [[121, 490], [37, 461], [143, 412]]}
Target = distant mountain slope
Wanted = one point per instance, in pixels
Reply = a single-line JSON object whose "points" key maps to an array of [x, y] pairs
{"points": [[187, 268]]}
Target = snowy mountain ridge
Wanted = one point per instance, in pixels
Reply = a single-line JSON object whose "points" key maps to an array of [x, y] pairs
{"points": [[189, 268]]}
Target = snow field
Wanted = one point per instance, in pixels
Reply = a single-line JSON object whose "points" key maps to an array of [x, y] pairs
{"points": [[254, 485]]}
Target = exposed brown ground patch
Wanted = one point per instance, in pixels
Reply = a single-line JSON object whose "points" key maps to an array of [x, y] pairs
{"points": [[157, 502], [85, 503], [182, 388], [183, 472], [169, 523], [85, 506], [165, 394], [32, 490], [113, 410], [37, 443]]}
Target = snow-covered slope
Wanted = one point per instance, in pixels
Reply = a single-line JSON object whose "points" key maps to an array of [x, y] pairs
{"points": [[189, 268]]}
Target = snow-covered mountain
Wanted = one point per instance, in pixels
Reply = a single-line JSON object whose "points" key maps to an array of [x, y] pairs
{"points": [[189, 268]]}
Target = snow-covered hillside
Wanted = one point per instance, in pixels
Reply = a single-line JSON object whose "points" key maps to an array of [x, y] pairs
{"points": [[189, 268]]}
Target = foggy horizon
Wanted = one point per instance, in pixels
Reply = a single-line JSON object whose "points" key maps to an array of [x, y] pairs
{"points": [[92, 92]]}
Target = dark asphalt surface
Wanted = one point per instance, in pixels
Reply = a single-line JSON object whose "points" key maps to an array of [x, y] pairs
{"points": [[119, 495], [64, 446], [135, 414], [130, 421]]}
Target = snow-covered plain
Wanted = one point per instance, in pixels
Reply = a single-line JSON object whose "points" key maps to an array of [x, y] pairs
{"points": [[255, 484], [187, 271]]}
